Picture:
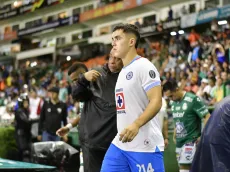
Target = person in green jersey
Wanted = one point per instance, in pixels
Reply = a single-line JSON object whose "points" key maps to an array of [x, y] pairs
{"points": [[188, 111], [76, 69]]}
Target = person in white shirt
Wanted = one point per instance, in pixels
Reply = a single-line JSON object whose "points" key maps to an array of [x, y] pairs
{"points": [[35, 110], [139, 143]]}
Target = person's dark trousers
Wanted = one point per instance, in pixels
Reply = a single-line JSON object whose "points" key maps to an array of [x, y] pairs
{"points": [[92, 159], [23, 140], [46, 136]]}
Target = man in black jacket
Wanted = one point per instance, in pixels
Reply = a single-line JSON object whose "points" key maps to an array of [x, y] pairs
{"points": [[53, 113], [97, 127]]}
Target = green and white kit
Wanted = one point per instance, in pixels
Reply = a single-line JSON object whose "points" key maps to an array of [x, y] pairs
{"points": [[187, 115]]}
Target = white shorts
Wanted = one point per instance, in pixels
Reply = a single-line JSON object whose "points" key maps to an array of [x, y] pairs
{"points": [[186, 153]]}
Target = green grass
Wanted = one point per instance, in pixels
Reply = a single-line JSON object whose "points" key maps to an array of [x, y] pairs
{"points": [[170, 157]]}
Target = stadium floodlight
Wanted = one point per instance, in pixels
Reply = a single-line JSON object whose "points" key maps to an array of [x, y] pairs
{"points": [[181, 32], [15, 3], [173, 33], [33, 64], [222, 22], [68, 58]]}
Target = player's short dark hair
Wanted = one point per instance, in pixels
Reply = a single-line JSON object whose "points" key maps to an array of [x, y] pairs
{"points": [[75, 67], [129, 28], [170, 85]]}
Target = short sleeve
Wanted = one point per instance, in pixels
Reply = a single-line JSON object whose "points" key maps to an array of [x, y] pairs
{"points": [[199, 107], [149, 76]]}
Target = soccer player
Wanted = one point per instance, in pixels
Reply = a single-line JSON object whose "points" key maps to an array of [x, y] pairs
{"points": [[213, 152], [188, 111], [139, 144], [74, 72]]}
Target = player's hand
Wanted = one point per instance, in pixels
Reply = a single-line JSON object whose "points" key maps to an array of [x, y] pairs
{"points": [[174, 139], [92, 75], [39, 138], [166, 141], [62, 131], [129, 133], [198, 140], [65, 138]]}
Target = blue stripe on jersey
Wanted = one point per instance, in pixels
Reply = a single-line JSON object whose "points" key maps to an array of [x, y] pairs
{"points": [[152, 85], [136, 58]]}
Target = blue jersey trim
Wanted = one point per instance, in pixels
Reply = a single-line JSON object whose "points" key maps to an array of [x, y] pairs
{"points": [[152, 85], [136, 58]]}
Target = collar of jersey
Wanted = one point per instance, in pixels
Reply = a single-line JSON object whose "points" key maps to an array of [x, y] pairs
{"points": [[136, 58]]}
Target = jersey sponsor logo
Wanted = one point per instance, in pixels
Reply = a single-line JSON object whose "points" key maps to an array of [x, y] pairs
{"points": [[179, 127], [178, 114], [185, 106], [205, 111], [188, 99], [119, 90], [152, 74], [180, 130], [189, 151], [120, 101], [129, 75], [178, 108]]}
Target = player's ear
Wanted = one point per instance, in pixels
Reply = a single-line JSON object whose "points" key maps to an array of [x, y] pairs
{"points": [[132, 42]]}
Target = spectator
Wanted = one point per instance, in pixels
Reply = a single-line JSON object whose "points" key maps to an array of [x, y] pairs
{"points": [[53, 113], [170, 14], [225, 67], [59, 74], [63, 93], [219, 53], [35, 110], [9, 80], [218, 92], [173, 48], [204, 84], [137, 23], [226, 83], [184, 11], [193, 38]]}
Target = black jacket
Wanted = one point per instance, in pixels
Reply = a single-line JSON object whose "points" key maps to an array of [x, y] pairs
{"points": [[97, 127], [22, 121], [51, 117]]}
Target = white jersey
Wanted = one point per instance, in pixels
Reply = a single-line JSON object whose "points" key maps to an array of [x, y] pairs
{"points": [[132, 84]]}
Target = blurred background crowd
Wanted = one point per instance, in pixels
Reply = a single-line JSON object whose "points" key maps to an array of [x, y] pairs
{"points": [[199, 62], [188, 41]]}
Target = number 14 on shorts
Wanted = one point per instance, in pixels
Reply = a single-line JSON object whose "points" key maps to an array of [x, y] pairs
{"points": [[142, 168]]}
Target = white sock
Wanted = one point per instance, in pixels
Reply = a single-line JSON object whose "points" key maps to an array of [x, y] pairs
{"points": [[184, 170]]}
